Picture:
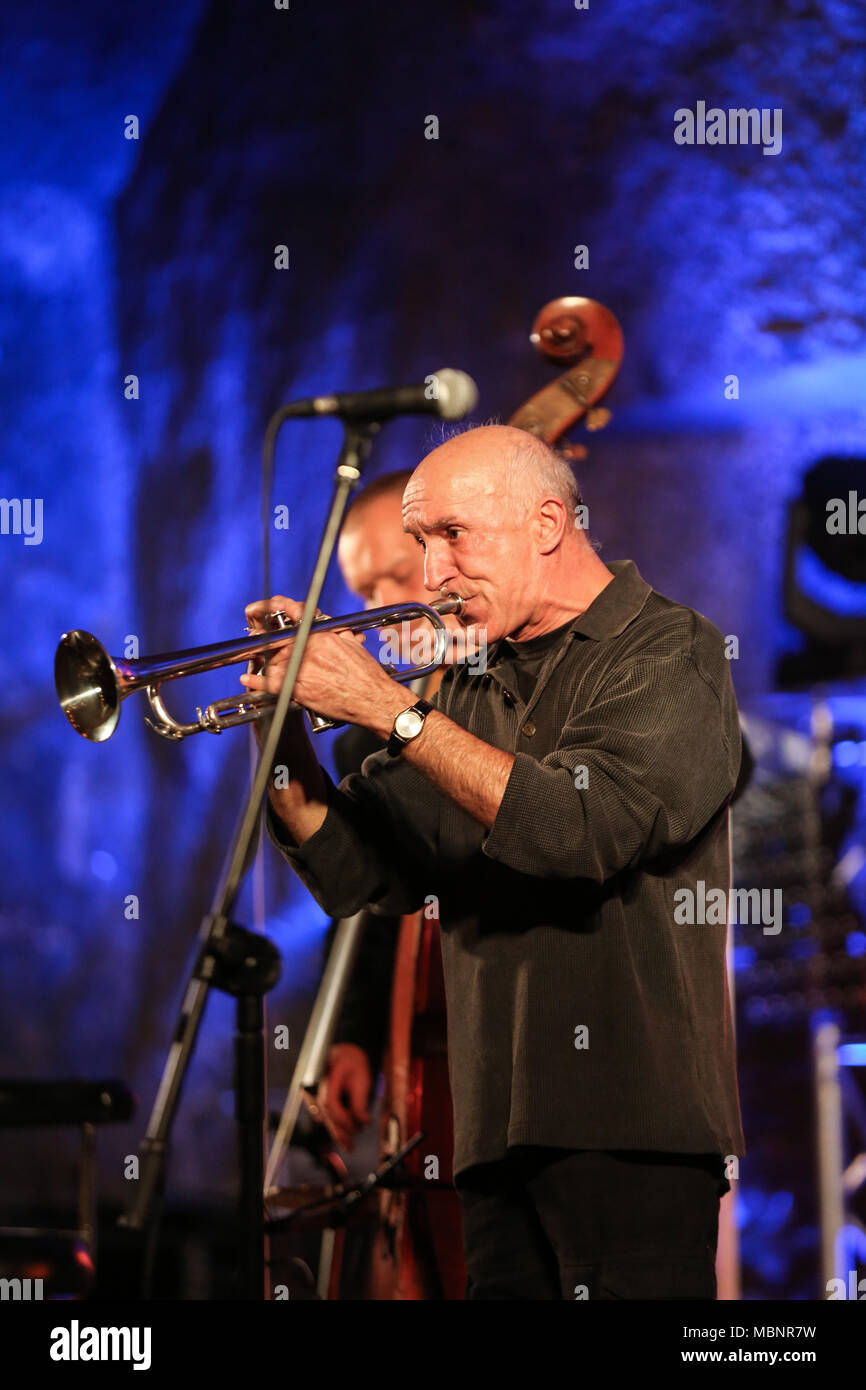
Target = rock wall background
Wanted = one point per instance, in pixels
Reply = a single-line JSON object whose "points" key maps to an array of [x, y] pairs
{"points": [[306, 128]]}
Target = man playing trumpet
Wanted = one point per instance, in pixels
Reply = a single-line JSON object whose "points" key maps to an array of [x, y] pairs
{"points": [[554, 805]]}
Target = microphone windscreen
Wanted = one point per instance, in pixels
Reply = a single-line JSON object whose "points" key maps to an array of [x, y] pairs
{"points": [[457, 393]]}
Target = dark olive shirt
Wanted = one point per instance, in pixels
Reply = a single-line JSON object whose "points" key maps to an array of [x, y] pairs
{"points": [[581, 1014], [519, 663]]}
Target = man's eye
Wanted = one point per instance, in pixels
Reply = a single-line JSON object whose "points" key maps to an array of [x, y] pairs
{"points": [[453, 532]]}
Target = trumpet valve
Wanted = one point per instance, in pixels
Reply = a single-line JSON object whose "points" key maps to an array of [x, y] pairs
{"points": [[275, 622]]}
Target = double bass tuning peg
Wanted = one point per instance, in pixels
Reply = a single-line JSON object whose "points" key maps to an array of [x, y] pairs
{"points": [[597, 417], [559, 333], [575, 453]]}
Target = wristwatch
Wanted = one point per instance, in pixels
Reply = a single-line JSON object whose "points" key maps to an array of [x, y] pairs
{"points": [[408, 725]]}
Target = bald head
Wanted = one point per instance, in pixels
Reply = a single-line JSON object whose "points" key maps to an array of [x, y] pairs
{"points": [[533, 470], [537, 471], [518, 465], [496, 512]]}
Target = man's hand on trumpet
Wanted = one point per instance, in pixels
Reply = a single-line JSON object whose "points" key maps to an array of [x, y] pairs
{"points": [[339, 679]]}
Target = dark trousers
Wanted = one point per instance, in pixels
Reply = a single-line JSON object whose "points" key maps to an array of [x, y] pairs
{"points": [[579, 1224]]}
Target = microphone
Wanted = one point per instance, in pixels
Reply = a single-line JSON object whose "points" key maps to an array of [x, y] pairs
{"points": [[447, 393]]}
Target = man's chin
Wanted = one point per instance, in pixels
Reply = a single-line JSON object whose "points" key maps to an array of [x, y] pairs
{"points": [[476, 614], [474, 636]]}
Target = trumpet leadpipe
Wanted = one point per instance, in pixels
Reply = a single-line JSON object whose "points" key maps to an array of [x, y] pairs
{"points": [[91, 684]]}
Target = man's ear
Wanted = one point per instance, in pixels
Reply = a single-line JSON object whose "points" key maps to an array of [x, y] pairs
{"points": [[551, 521]]}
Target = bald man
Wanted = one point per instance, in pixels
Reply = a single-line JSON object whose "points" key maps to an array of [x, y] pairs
{"points": [[562, 806]]}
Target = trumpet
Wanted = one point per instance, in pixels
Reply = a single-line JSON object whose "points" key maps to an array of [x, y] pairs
{"points": [[91, 685]]}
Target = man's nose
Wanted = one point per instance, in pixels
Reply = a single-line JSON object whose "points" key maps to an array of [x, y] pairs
{"points": [[439, 568]]}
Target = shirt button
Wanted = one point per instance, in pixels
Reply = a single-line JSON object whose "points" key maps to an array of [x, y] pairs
{"points": [[528, 729]]}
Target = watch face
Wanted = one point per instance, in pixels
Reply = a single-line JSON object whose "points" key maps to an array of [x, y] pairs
{"points": [[408, 723]]}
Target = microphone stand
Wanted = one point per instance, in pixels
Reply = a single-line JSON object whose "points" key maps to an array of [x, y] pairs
{"points": [[240, 962]]}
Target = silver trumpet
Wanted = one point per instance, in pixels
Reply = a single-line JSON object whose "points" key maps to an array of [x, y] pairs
{"points": [[91, 684]]}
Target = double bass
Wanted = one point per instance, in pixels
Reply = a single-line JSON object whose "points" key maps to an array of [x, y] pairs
{"points": [[417, 1249]]}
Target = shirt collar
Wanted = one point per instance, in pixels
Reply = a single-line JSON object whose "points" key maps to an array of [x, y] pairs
{"points": [[609, 614], [616, 606]]}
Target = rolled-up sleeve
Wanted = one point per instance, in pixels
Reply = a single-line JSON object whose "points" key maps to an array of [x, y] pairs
{"points": [[377, 844], [643, 769]]}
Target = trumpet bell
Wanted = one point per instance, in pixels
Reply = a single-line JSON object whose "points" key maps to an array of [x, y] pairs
{"points": [[91, 684], [87, 685]]}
